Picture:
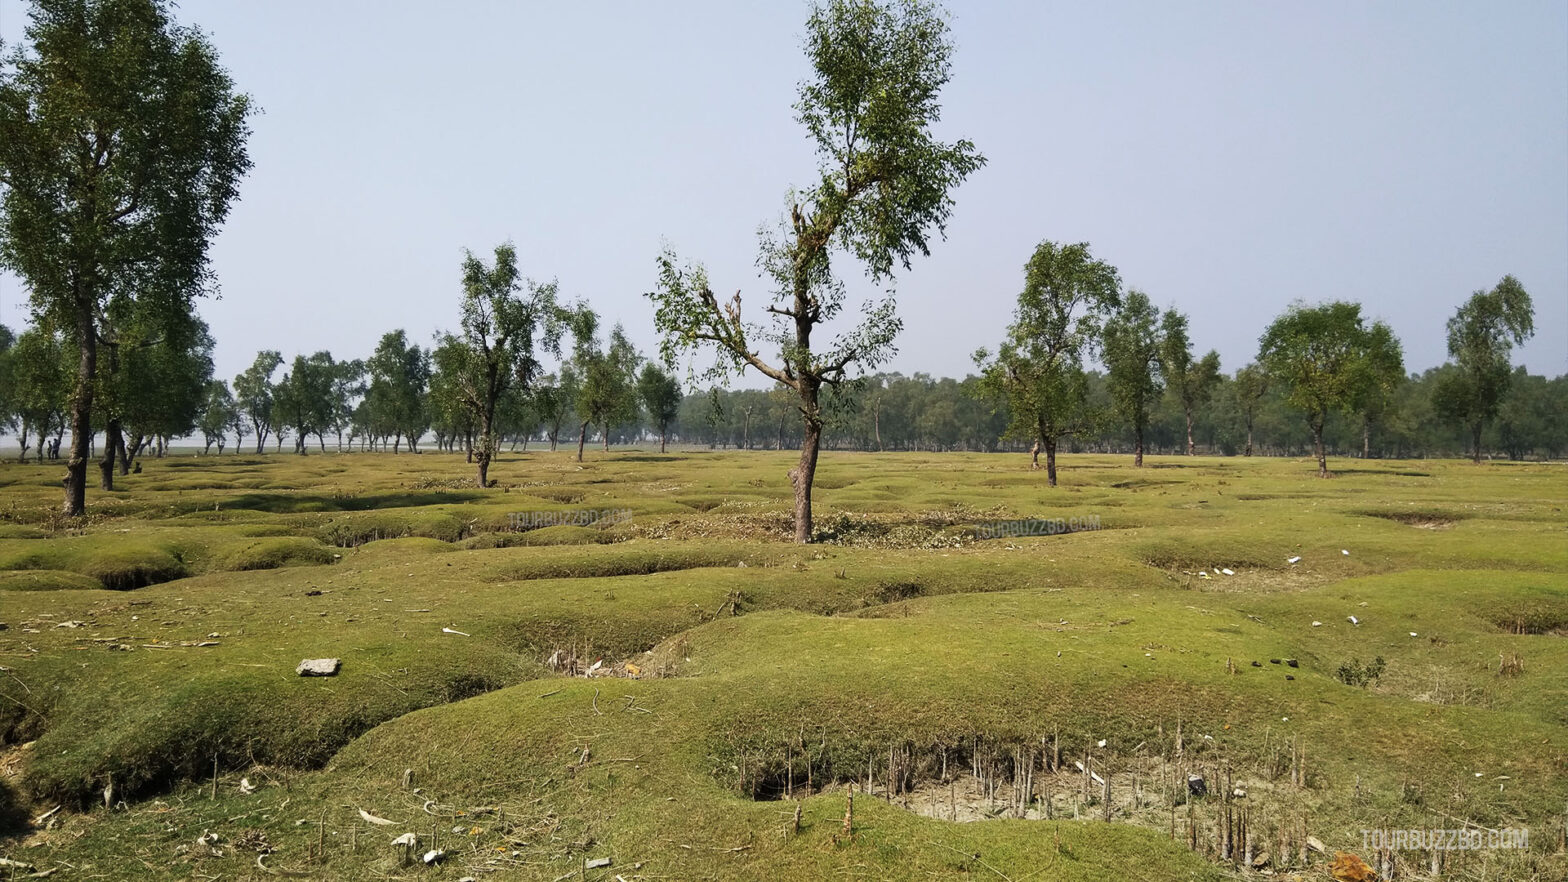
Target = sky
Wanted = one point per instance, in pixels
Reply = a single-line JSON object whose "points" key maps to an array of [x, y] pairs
{"points": [[1229, 158]]}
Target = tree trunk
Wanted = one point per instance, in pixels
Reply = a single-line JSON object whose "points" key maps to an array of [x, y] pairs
{"points": [[1034, 456], [1366, 438], [1249, 437], [1317, 448], [23, 440], [113, 442], [1476, 446], [664, 436], [876, 424], [261, 437], [1137, 450], [1050, 462], [582, 439], [82, 416], [1191, 448], [606, 437], [805, 473]]}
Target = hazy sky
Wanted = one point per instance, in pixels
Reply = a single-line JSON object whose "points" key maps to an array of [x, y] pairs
{"points": [[1228, 158]]}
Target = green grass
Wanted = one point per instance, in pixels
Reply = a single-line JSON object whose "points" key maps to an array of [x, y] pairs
{"points": [[898, 646]]}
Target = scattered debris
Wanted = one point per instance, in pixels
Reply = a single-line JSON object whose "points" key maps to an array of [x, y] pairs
{"points": [[318, 667], [1196, 785], [1291, 560], [383, 822], [1316, 845], [9, 864], [1228, 572], [1344, 552], [1349, 868], [458, 633], [596, 863], [1353, 620], [1292, 663], [246, 787], [1317, 624], [434, 856]]}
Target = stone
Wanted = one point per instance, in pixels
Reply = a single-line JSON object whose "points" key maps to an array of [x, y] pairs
{"points": [[1196, 785], [318, 667]]}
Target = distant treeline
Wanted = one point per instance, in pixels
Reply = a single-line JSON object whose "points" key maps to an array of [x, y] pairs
{"points": [[925, 413]]}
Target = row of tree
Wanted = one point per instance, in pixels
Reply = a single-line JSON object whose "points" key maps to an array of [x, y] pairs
{"points": [[122, 142]]}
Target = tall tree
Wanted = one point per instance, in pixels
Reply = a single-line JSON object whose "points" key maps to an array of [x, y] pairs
{"points": [[1481, 336], [661, 398], [399, 377], [1250, 386], [1321, 356], [1385, 370], [1190, 380], [217, 415], [496, 347], [607, 378], [152, 380], [122, 143], [1132, 360], [40, 385], [1038, 369], [883, 187], [254, 393], [304, 399]]}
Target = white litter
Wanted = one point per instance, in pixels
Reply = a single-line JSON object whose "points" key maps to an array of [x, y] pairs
{"points": [[383, 822], [1102, 743], [1295, 559], [1229, 572], [1317, 624], [434, 856], [458, 633], [1353, 620], [1345, 552], [1414, 634]]}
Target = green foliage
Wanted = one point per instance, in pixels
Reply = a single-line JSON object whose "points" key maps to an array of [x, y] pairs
{"points": [[507, 323], [1481, 336], [122, 142], [1324, 357], [660, 395], [605, 376], [218, 415], [1038, 369], [254, 394], [884, 184], [1132, 359], [1190, 381], [39, 385], [1354, 673]]}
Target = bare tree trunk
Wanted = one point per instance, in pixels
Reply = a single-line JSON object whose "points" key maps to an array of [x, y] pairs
{"points": [[805, 472], [1137, 450], [1191, 448], [81, 417], [1034, 456], [1317, 447], [1249, 437], [1476, 446], [876, 423], [1366, 438], [582, 441], [1050, 462], [113, 442], [664, 435], [606, 437]]}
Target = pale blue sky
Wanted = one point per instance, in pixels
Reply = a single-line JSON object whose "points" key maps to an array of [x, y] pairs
{"points": [[1227, 157]]}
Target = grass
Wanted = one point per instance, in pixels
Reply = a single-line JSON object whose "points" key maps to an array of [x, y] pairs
{"points": [[150, 652]]}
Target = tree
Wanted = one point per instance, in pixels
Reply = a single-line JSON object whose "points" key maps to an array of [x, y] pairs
{"points": [[883, 187], [1481, 336], [304, 399], [254, 392], [1190, 381], [1321, 356], [217, 415], [496, 348], [1038, 369], [1132, 360], [606, 389], [552, 401], [39, 384], [661, 398], [7, 384], [399, 377], [1385, 370], [1250, 386], [153, 380], [122, 143]]}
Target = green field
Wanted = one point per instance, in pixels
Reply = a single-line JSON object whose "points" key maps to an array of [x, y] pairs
{"points": [[150, 693]]}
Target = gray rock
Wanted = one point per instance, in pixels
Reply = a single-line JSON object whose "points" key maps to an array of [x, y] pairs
{"points": [[318, 667]]}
